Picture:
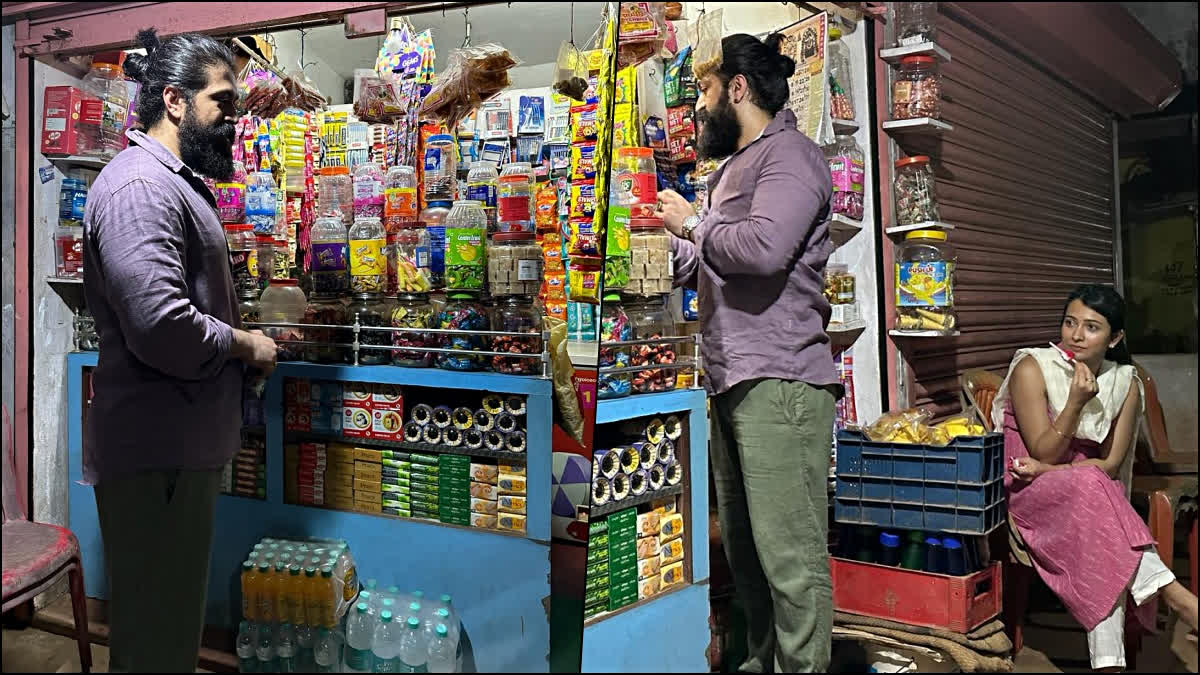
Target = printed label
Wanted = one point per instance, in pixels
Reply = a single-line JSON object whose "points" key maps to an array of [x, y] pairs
{"points": [[637, 188], [239, 264], [366, 258], [422, 254], [400, 203], [358, 659], [484, 193], [529, 270], [464, 246], [902, 91], [924, 284], [437, 250], [71, 252], [329, 257], [252, 262], [433, 159], [847, 173]]}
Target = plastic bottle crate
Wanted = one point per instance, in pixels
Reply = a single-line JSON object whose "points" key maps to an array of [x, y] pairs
{"points": [[967, 459], [958, 604], [905, 516]]}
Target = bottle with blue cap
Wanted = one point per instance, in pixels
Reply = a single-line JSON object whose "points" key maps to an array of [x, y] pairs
{"points": [[935, 556], [889, 549], [442, 658], [385, 648], [956, 563]]}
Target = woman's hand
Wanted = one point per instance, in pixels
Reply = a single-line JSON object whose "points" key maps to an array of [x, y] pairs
{"points": [[1083, 386], [1026, 468]]}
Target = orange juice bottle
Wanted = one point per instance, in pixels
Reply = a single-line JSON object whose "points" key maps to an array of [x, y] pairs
{"points": [[282, 608], [328, 602], [249, 591], [295, 595], [312, 596], [266, 588]]}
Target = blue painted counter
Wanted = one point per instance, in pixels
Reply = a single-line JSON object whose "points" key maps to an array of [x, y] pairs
{"points": [[616, 642], [500, 582]]}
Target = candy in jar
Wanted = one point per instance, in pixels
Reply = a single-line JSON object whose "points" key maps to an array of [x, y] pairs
{"points": [[413, 310], [651, 319], [615, 326], [917, 90], [916, 199], [368, 191], [463, 312], [516, 314], [846, 162], [327, 310], [372, 311], [400, 199], [368, 261]]}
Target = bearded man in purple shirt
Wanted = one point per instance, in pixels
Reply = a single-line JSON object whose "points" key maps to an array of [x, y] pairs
{"points": [[756, 256], [166, 415]]}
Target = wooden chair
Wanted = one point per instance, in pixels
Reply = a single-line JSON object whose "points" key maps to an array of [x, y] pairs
{"points": [[38, 555]]}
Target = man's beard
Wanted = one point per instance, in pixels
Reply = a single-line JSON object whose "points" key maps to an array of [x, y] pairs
{"points": [[719, 130], [206, 149]]}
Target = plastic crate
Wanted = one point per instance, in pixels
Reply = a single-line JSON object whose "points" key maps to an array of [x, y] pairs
{"points": [[967, 459], [958, 604], [909, 516]]}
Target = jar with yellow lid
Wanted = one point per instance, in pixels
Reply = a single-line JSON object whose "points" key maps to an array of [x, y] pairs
{"points": [[925, 283]]}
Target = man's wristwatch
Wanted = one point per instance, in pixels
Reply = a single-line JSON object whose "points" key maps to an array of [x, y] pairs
{"points": [[689, 225]]}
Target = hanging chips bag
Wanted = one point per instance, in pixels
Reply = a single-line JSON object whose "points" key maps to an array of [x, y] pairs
{"points": [[584, 126], [583, 161], [706, 40]]}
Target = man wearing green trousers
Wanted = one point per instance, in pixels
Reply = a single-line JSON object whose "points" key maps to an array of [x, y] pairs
{"points": [[756, 257]]}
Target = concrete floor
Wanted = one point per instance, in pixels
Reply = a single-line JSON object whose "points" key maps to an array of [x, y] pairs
{"points": [[36, 651]]}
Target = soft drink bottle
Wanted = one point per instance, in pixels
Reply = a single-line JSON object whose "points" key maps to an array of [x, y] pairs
{"points": [[359, 634], [249, 591], [295, 595], [285, 647], [442, 649], [265, 651], [304, 649], [414, 653], [385, 648], [247, 659], [325, 652], [266, 599]]}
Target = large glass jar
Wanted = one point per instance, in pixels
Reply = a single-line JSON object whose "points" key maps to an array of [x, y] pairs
{"points": [[368, 261], [327, 310], [337, 193], [917, 89], [463, 311], [243, 250], [433, 219], [441, 168], [916, 199], [651, 268], [514, 203], [400, 199], [368, 191], [615, 326], [925, 283], [916, 22], [266, 259], [651, 318], [284, 302], [514, 265], [329, 255], [841, 94], [105, 81], [516, 314], [482, 183], [372, 311], [410, 256], [846, 159], [249, 309], [413, 310], [635, 181], [281, 259], [466, 236]]}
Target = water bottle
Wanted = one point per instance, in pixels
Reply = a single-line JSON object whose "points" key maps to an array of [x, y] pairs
{"points": [[265, 651], [890, 549], [360, 630], [325, 652], [285, 647], [386, 646], [304, 649], [247, 659], [372, 600], [956, 563], [414, 653], [442, 650], [454, 624]]}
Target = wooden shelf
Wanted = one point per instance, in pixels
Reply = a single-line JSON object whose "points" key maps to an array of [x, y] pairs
{"points": [[845, 126], [635, 500], [927, 225], [894, 54], [917, 125], [64, 163], [843, 228], [921, 334]]}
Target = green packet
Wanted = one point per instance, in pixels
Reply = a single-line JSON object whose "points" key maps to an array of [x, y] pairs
{"points": [[617, 236]]}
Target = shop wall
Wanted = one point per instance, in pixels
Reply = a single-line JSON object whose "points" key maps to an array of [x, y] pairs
{"points": [[744, 17], [8, 218], [329, 81]]}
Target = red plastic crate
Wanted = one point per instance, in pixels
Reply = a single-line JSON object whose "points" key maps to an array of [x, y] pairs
{"points": [[958, 604]]}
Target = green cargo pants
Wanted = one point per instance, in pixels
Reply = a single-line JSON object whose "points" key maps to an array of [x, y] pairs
{"points": [[770, 452], [157, 529]]}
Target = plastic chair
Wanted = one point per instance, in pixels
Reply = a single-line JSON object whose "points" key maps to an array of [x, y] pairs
{"points": [[977, 391], [38, 555]]}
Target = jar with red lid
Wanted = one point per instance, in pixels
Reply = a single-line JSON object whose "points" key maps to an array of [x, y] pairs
{"points": [[514, 203], [636, 181], [913, 186], [652, 270], [514, 261], [917, 89]]}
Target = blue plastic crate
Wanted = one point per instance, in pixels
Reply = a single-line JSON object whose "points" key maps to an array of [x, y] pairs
{"points": [[927, 517], [849, 487], [970, 459], [908, 516], [979, 496], [877, 513], [849, 459], [908, 491], [941, 494], [877, 462], [877, 489], [908, 463], [847, 511]]}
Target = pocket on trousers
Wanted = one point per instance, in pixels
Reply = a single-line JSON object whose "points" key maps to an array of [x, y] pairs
{"points": [[796, 401]]}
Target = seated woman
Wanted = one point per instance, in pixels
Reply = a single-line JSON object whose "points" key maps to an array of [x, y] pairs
{"points": [[1069, 427]]}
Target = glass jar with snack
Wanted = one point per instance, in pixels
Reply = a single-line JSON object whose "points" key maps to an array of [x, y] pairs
{"points": [[516, 314], [916, 22], [368, 259], [463, 311], [337, 193], [328, 255], [651, 268], [615, 326], [916, 198], [413, 310], [917, 89], [846, 168], [326, 309], [514, 262], [925, 283], [841, 94], [372, 311], [651, 318], [410, 262]]}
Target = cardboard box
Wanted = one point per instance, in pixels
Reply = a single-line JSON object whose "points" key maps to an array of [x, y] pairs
{"points": [[374, 497], [357, 394], [297, 419], [648, 523], [649, 567], [483, 520], [399, 512], [339, 492], [362, 485], [647, 547], [483, 506], [326, 393], [483, 491], [671, 575], [368, 471], [672, 526], [339, 480], [510, 521], [296, 390], [671, 551], [598, 569], [387, 425], [648, 588], [367, 455], [485, 473], [367, 506], [390, 396], [594, 583], [511, 504], [70, 121], [356, 422], [511, 485]]}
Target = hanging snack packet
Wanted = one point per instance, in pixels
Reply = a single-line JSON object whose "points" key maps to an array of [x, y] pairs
{"points": [[585, 279], [624, 125], [626, 85], [583, 240], [583, 161], [706, 39], [675, 86], [546, 208], [583, 199], [571, 78], [681, 120], [656, 133], [476, 74], [584, 123]]}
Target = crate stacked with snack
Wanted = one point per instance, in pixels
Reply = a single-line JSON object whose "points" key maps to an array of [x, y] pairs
{"points": [[454, 489]]}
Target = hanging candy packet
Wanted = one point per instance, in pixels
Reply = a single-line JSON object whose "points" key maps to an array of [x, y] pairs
{"points": [[545, 207], [583, 240], [585, 278], [583, 199], [583, 161]]}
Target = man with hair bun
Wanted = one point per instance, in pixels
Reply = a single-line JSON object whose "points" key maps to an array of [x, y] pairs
{"points": [[167, 411], [756, 256]]}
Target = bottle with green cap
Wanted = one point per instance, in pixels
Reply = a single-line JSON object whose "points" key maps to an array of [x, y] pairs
{"points": [[325, 653], [247, 659], [442, 658], [414, 654], [360, 630], [328, 601], [285, 648], [385, 647]]}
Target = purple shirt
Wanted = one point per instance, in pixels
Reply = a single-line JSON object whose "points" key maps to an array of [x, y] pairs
{"points": [[758, 262], [157, 280]]}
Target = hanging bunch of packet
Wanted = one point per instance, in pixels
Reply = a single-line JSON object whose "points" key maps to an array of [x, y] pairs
{"points": [[571, 79], [706, 41], [475, 75], [642, 32], [378, 102]]}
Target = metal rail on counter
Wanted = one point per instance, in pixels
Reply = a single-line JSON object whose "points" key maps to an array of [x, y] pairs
{"points": [[694, 363]]}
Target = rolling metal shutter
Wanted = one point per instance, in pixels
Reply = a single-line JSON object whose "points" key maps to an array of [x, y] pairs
{"points": [[1026, 178]]}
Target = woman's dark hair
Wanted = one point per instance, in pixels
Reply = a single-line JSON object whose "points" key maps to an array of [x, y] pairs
{"points": [[766, 70], [1106, 302], [180, 61]]}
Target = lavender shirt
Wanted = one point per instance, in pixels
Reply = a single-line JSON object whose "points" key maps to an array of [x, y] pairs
{"points": [[157, 280], [758, 262]]}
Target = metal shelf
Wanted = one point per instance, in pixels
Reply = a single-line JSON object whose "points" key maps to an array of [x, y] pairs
{"points": [[845, 126], [842, 335], [926, 225], [632, 501], [294, 436], [65, 163], [894, 54], [921, 334], [843, 228], [917, 125]]}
